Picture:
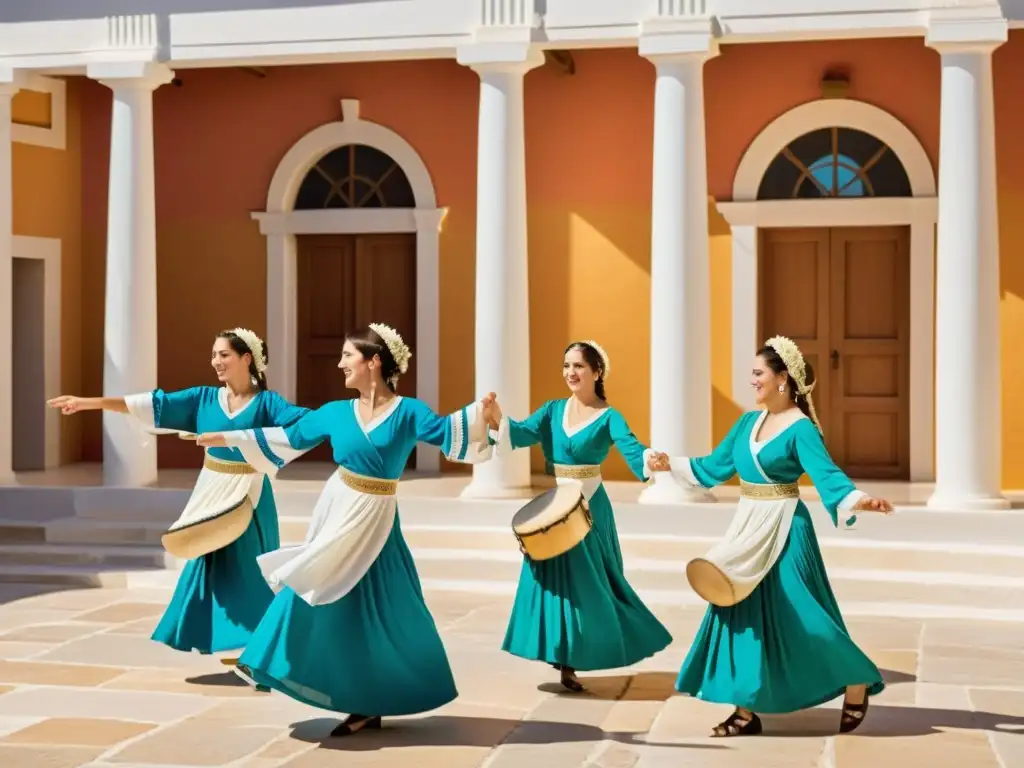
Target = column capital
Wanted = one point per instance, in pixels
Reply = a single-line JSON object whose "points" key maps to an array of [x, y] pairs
{"points": [[140, 75], [513, 58], [678, 36], [966, 30]]}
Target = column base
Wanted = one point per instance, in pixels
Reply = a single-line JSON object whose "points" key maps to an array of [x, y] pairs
{"points": [[485, 490], [954, 502], [665, 490]]}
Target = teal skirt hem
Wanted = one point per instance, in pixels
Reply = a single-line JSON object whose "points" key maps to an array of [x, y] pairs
{"points": [[785, 647], [376, 651], [220, 598], [578, 610]]}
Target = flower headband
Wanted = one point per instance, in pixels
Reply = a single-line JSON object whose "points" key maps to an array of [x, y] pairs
{"points": [[396, 346], [606, 362], [255, 345], [796, 366]]}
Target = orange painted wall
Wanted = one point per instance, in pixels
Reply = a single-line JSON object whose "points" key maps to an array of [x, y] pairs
{"points": [[47, 202], [1008, 64]]}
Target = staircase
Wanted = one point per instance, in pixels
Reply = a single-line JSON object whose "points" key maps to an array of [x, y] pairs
{"points": [[919, 563]]}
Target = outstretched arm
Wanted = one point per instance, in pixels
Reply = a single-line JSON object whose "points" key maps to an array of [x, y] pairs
{"points": [[711, 470], [510, 435], [461, 436], [641, 459], [838, 494], [269, 450], [69, 404]]}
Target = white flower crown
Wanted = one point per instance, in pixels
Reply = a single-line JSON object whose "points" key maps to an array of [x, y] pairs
{"points": [[606, 362], [396, 346], [796, 366], [255, 345]]}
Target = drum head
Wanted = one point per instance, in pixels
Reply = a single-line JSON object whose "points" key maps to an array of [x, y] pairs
{"points": [[202, 538], [550, 507], [708, 581]]}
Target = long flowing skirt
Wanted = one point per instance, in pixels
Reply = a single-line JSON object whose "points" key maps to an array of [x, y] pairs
{"points": [[376, 651], [221, 597], [578, 610], [783, 648]]}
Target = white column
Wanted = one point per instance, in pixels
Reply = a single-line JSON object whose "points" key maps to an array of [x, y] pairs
{"points": [[680, 273], [282, 313], [130, 323], [968, 451], [502, 297], [7, 91]]}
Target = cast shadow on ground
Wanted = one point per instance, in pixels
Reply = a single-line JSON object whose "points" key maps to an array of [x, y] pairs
{"points": [[653, 686], [452, 731], [219, 679], [890, 720]]}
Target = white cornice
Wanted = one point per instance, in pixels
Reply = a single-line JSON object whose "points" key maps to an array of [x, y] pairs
{"points": [[395, 29]]}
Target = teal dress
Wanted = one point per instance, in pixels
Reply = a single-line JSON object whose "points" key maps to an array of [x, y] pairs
{"points": [[785, 647], [376, 650], [221, 597], [577, 610]]}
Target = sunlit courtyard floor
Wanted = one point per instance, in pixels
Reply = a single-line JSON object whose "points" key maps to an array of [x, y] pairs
{"points": [[81, 684]]}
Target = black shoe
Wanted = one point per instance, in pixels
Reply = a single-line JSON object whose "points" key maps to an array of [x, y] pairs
{"points": [[737, 725], [356, 723], [853, 715], [570, 681]]}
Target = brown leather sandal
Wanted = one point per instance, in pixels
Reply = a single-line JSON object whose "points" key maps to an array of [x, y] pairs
{"points": [[853, 715]]}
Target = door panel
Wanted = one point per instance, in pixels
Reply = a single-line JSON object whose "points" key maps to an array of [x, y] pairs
{"points": [[870, 330], [843, 296]]}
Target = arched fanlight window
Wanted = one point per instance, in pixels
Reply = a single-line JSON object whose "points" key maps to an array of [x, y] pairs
{"points": [[835, 162], [355, 176]]}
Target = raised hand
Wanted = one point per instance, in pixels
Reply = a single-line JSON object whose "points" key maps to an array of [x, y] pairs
{"points": [[871, 504], [212, 440], [67, 404], [659, 462]]}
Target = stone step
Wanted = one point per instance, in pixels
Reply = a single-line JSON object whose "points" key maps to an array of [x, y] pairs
{"points": [[125, 558], [67, 575], [22, 531], [76, 530]]}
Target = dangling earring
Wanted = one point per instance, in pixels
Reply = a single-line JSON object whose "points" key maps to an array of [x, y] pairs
{"points": [[782, 387], [254, 381]]}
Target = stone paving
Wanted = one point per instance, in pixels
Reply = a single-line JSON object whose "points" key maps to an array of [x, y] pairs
{"points": [[82, 685]]}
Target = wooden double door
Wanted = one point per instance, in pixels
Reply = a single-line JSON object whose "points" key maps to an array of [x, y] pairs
{"points": [[844, 296], [344, 282]]}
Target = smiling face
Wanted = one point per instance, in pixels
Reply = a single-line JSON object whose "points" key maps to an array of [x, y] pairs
{"points": [[357, 369], [578, 375], [227, 363], [765, 381]]}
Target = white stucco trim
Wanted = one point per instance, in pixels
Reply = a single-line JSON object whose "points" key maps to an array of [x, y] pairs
{"points": [[55, 136], [48, 250], [746, 215], [280, 224]]}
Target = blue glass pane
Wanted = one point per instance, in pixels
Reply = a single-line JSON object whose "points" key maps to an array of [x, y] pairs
{"points": [[846, 177]]}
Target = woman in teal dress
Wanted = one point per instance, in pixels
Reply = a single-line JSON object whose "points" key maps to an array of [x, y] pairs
{"points": [[577, 611], [220, 597], [784, 647], [349, 630]]}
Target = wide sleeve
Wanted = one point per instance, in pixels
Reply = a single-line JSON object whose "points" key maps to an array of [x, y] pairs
{"points": [[269, 449], [166, 410], [281, 413], [461, 436], [711, 470], [633, 451], [838, 493], [512, 435]]}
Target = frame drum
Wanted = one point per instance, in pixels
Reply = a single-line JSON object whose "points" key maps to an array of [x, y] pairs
{"points": [[553, 523], [189, 538], [711, 583]]}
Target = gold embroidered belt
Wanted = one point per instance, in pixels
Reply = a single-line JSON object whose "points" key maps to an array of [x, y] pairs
{"points": [[769, 491], [228, 467], [578, 471], [372, 485]]}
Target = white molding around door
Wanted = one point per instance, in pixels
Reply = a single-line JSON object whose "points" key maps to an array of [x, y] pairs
{"points": [[48, 250], [280, 223], [746, 215]]}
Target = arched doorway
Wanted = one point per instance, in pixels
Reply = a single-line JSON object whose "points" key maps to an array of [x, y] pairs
{"points": [[833, 218], [349, 204]]}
